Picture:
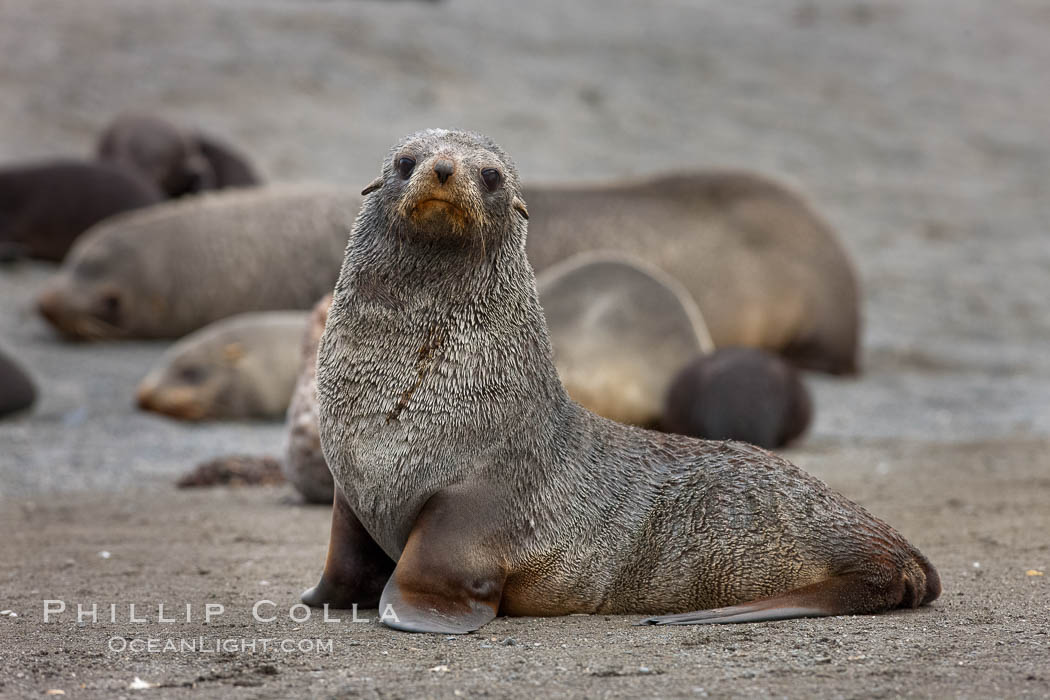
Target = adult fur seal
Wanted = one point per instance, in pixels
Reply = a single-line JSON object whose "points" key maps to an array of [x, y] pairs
{"points": [[17, 391], [176, 160], [304, 465], [621, 330], [739, 394], [764, 269], [469, 484], [241, 367], [173, 269], [45, 206]]}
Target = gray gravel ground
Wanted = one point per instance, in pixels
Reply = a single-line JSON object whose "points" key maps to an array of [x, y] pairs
{"points": [[918, 128]]}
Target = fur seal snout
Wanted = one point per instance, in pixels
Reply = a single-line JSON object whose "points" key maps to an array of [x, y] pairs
{"points": [[469, 484]]}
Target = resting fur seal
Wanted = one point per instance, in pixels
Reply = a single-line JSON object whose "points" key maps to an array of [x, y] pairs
{"points": [[17, 391], [173, 269], [739, 394], [45, 206], [241, 367], [764, 269], [177, 161], [621, 330], [304, 465], [462, 466]]}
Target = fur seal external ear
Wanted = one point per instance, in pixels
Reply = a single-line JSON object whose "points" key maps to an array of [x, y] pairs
{"points": [[519, 205], [461, 457], [373, 185]]}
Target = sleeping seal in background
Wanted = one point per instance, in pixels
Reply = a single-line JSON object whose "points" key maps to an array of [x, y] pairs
{"points": [[17, 391], [45, 206], [168, 271], [303, 464], [469, 484], [764, 269], [177, 161], [239, 368], [742, 394], [621, 329]]}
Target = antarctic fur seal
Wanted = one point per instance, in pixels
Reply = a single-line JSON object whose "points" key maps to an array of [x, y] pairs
{"points": [[17, 391], [241, 367], [742, 394], [764, 268], [177, 267], [177, 161], [45, 206], [462, 465], [621, 330]]}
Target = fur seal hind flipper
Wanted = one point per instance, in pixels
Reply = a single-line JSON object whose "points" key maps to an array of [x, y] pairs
{"points": [[448, 580], [848, 594], [355, 569]]}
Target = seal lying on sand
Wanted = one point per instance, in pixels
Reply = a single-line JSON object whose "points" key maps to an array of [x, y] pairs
{"points": [[739, 394], [764, 269], [45, 206], [173, 269], [17, 391], [458, 454], [241, 367], [621, 330], [175, 160]]}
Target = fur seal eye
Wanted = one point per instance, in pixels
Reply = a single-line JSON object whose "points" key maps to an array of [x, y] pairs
{"points": [[192, 374], [492, 178], [405, 165]]}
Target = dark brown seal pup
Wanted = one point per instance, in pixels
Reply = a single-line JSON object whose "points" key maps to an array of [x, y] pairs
{"points": [[177, 267], [458, 455], [17, 391], [45, 206], [764, 269], [742, 394], [178, 161]]}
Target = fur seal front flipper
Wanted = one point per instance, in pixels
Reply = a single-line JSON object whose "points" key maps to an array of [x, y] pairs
{"points": [[356, 567], [447, 580]]}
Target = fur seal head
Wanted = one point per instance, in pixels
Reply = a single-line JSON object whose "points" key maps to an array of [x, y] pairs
{"points": [[159, 151], [85, 301], [241, 367], [449, 188]]}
